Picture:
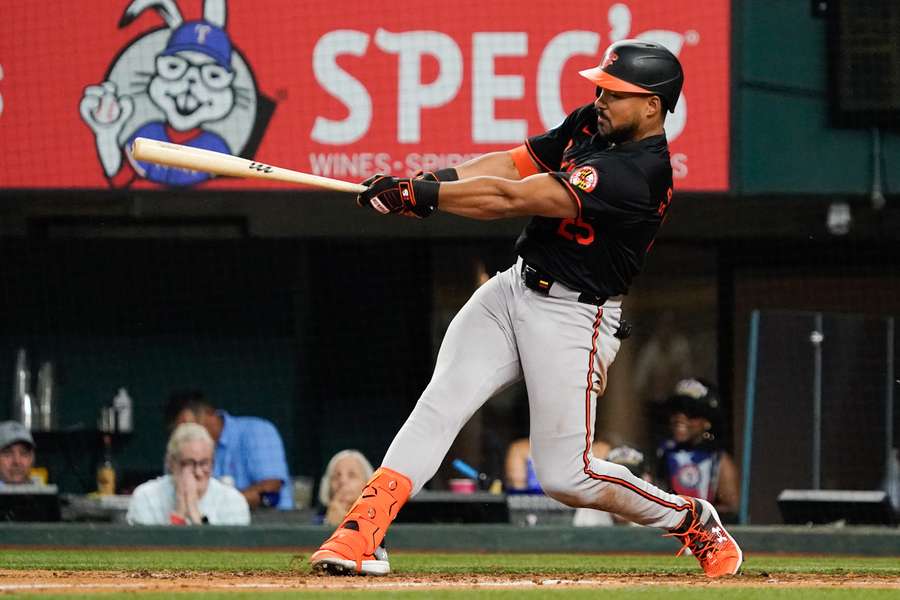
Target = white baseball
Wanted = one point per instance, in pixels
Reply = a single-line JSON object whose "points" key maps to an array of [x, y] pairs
{"points": [[108, 109]]}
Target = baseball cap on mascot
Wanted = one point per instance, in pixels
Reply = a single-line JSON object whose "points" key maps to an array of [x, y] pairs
{"points": [[639, 67], [204, 37]]}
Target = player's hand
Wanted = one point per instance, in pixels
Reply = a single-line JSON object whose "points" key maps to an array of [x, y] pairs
{"points": [[360, 201], [390, 195]]}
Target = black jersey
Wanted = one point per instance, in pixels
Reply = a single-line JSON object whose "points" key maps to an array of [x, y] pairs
{"points": [[622, 192]]}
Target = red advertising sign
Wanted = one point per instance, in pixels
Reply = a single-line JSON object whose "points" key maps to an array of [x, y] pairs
{"points": [[343, 89]]}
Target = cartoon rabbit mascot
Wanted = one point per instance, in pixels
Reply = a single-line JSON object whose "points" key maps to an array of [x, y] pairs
{"points": [[194, 90]]}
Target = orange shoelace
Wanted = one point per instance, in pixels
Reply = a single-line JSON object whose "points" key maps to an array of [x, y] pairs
{"points": [[698, 541]]}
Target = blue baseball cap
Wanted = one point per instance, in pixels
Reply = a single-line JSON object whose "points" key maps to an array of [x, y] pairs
{"points": [[201, 36]]}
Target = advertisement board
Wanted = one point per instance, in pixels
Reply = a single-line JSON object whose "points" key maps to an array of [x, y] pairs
{"points": [[341, 89]]}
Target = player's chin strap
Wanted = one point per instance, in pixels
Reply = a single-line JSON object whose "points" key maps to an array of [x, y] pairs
{"points": [[371, 515]]}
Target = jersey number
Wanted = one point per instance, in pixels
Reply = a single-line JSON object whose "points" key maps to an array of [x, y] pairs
{"points": [[664, 205], [576, 229]]}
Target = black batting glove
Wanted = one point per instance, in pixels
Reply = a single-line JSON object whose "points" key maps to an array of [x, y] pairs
{"points": [[390, 195], [360, 200], [448, 174]]}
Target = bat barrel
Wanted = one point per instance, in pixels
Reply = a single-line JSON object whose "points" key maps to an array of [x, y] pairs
{"points": [[208, 161]]}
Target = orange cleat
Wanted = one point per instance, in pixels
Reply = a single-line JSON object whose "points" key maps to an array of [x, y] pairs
{"points": [[356, 547], [708, 541]]}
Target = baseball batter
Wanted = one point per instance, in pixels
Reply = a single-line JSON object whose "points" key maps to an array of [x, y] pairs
{"points": [[597, 188]]}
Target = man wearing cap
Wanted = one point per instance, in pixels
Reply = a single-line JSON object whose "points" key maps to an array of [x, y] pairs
{"points": [[16, 453], [597, 189], [692, 461]]}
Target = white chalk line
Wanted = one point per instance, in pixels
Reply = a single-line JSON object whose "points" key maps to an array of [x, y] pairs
{"points": [[368, 584]]}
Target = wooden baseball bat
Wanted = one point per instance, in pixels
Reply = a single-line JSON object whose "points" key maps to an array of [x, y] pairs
{"points": [[208, 161]]}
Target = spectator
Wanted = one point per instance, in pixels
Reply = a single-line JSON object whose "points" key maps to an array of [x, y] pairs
{"points": [[344, 479], [249, 451], [692, 461], [187, 495], [16, 453], [519, 473]]}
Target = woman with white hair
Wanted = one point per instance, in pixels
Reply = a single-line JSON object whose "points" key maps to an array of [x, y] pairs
{"points": [[187, 494], [345, 476]]}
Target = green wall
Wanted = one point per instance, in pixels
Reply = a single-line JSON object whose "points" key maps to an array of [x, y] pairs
{"points": [[328, 340], [782, 140]]}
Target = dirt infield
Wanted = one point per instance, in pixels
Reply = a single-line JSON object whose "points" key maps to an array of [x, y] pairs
{"points": [[162, 581]]}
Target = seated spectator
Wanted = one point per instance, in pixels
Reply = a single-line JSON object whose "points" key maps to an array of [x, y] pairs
{"points": [[344, 479], [519, 474], [692, 462], [249, 450], [16, 453], [186, 494]]}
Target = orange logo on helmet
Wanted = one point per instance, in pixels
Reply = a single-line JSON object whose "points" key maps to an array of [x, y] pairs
{"points": [[609, 59]]}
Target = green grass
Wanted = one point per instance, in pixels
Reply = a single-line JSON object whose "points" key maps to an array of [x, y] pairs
{"points": [[541, 566], [264, 561]]}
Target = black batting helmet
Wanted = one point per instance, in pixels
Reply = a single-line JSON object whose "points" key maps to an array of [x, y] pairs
{"points": [[640, 67]]}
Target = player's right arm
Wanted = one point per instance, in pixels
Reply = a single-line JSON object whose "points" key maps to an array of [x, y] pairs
{"points": [[540, 153], [488, 198]]}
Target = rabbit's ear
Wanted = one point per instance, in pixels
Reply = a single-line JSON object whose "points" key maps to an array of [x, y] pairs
{"points": [[214, 12], [167, 9]]}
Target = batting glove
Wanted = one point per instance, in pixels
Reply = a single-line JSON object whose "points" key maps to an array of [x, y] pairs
{"points": [[448, 174], [390, 195]]}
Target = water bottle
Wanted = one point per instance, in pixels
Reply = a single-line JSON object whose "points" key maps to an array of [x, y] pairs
{"points": [[46, 397], [23, 409], [106, 470], [124, 411]]}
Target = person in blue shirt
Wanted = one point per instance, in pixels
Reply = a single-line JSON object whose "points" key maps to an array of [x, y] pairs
{"points": [[692, 461], [249, 451]]}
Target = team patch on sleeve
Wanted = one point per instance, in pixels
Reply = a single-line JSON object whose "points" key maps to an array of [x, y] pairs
{"points": [[584, 178]]}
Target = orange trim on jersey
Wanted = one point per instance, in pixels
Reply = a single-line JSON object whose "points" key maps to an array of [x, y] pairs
{"points": [[572, 193], [601, 78], [524, 165], [588, 434], [535, 157]]}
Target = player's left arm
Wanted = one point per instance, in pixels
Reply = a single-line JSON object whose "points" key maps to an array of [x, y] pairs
{"points": [[493, 164]]}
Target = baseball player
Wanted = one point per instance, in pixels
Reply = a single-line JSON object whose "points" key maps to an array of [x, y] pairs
{"points": [[597, 188]]}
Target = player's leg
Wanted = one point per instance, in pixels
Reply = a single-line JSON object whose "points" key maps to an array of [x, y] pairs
{"points": [[566, 349], [477, 359]]}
